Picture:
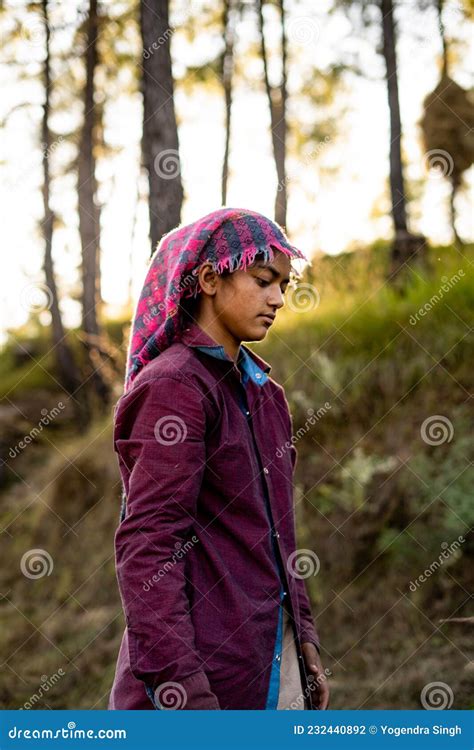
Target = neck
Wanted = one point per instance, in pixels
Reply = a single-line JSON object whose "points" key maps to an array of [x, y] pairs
{"points": [[220, 334]]}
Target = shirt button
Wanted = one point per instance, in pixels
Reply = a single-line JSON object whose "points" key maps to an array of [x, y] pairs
{"points": [[258, 375], [247, 412], [276, 534], [266, 470], [278, 657]]}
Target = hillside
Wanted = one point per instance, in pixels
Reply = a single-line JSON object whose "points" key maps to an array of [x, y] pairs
{"points": [[379, 393]]}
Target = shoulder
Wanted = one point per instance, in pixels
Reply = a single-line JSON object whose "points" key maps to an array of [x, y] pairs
{"points": [[280, 403], [177, 362], [277, 392], [176, 375]]}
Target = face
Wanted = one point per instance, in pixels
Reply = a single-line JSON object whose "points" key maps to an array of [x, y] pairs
{"points": [[243, 298]]}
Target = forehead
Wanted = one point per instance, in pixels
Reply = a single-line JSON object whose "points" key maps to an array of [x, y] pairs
{"points": [[279, 266]]}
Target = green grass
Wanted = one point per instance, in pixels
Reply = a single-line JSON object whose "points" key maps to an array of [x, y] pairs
{"points": [[373, 499]]}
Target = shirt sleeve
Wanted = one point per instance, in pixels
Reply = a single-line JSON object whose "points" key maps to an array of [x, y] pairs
{"points": [[159, 436], [309, 634]]}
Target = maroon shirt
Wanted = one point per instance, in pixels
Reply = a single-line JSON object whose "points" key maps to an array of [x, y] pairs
{"points": [[194, 558]]}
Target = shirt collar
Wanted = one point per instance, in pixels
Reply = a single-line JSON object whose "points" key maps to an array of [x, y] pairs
{"points": [[254, 367]]}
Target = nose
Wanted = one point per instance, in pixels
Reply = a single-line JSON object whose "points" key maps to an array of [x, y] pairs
{"points": [[276, 298]]}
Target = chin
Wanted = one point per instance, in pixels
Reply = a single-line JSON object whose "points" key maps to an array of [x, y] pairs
{"points": [[258, 332]]}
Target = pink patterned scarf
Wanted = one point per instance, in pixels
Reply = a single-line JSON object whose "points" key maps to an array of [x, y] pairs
{"points": [[229, 238]]}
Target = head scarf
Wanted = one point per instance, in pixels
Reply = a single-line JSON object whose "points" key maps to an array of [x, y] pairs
{"points": [[229, 238]]}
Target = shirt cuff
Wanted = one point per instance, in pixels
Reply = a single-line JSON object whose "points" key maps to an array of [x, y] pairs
{"points": [[309, 639], [190, 693]]}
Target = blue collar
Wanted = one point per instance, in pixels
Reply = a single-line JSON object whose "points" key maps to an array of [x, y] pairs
{"points": [[250, 369]]}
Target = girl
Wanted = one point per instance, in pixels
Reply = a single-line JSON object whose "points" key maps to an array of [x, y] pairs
{"points": [[216, 615]]}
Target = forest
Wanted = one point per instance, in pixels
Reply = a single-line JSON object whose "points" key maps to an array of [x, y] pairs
{"points": [[351, 124]]}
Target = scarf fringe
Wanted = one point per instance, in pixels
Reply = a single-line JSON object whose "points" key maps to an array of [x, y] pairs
{"points": [[239, 262]]}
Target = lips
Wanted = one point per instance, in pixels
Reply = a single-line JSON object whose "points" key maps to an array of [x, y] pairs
{"points": [[269, 318]]}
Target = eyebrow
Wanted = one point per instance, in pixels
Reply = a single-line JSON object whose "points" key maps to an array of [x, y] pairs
{"points": [[272, 269]]}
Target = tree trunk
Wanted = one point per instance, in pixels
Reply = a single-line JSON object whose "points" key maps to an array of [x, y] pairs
{"points": [[397, 186], [89, 216], [455, 185], [454, 179], [405, 246], [277, 99], [89, 211], [227, 71], [160, 133], [442, 31], [67, 371]]}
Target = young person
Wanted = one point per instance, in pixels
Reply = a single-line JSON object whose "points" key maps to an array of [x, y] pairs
{"points": [[216, 615]]}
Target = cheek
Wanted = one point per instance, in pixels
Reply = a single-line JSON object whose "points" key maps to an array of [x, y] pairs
{"points": [[254, 298], [245, 297]]}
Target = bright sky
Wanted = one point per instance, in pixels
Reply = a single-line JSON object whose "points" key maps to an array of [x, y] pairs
{"points": [[327, 212]]}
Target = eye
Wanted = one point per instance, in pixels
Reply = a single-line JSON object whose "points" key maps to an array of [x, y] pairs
{"points": [[262, 282]]}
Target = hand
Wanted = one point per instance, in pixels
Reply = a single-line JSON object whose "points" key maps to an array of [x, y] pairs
{"points": [[319, 696]]}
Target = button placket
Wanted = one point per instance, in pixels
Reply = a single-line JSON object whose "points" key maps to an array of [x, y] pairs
{"points": [[299, 652], [283, 567]]}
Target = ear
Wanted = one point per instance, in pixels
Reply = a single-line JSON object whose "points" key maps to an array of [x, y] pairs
{"points": [[208, 278]]}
